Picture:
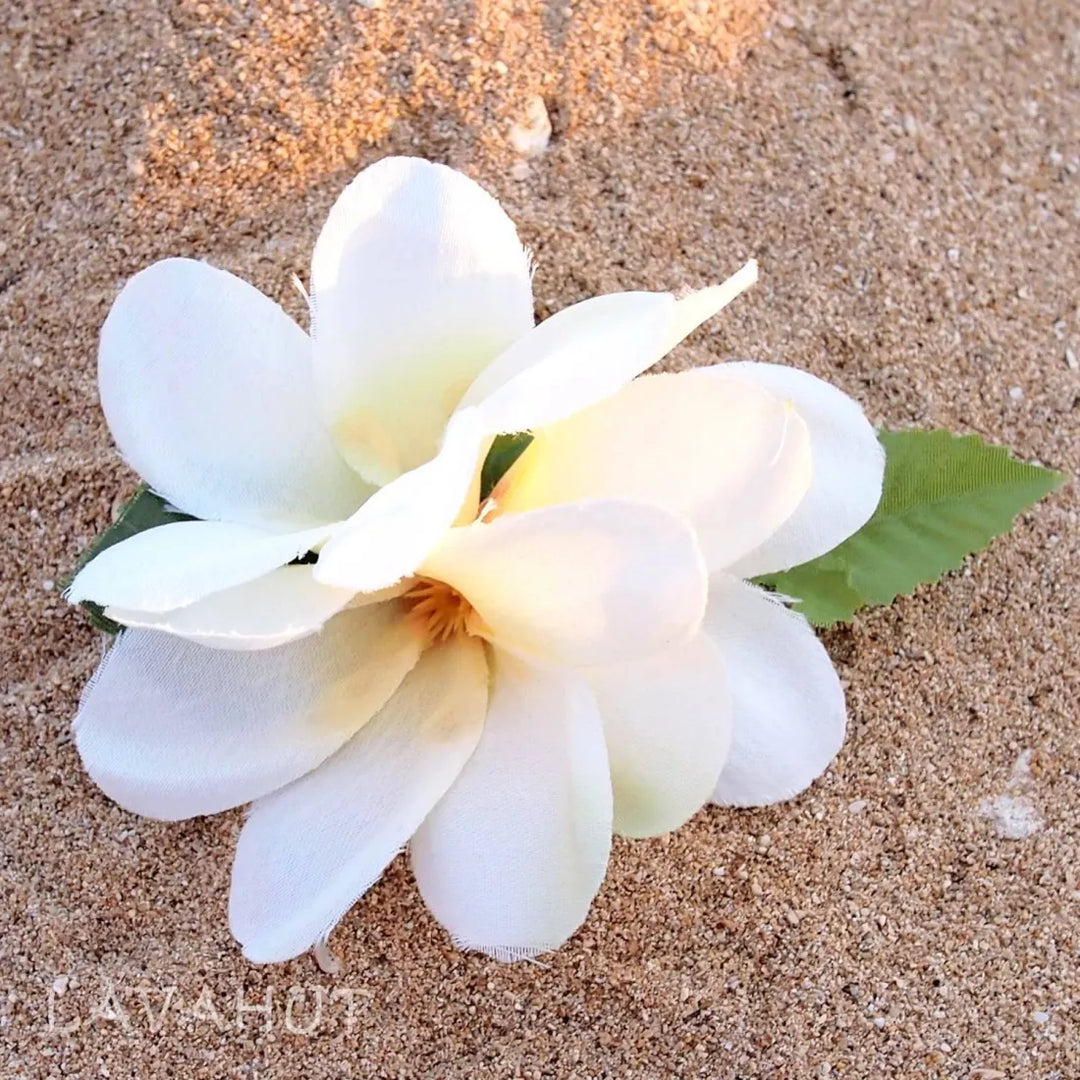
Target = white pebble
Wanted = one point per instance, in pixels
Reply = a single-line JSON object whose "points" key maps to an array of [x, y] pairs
{"points": [[532, 135], [1016, 393], [1013, 818]]}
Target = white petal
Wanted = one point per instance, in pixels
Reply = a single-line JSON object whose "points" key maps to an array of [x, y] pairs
{"points": [[174, 565], [578, 356], [309, 851], [583, 583], [588, 351], [511, 857], [667, 723], [170, 729], [389, 536], [207, 388], [700, 306], [286, 604], [418, 281], [789, 713], [849, 463], [728, 455]]}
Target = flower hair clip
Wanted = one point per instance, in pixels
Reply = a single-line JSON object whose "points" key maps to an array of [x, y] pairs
{"points": [[434, 576]]}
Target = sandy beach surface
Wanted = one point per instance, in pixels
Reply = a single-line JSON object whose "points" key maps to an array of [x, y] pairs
{"points": [[908, 175]]}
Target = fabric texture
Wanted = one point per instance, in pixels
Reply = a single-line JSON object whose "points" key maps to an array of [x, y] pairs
{"points": [[788, 712], [171, 730], [207, 388], [418, 281], [511, 857], [309, 851]]}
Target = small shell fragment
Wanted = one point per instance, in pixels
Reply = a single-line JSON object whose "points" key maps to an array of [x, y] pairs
{"points": [[530, 138]]}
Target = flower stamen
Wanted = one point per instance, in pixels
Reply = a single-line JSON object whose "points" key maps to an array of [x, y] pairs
{"points": [[439, 610]]}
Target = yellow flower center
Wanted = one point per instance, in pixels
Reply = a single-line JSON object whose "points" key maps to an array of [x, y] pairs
{"points": [[439, 610]]}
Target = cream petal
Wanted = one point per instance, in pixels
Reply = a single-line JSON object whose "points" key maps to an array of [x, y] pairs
{"points": [[586, 352], [788, 706], [207, 388], [418, 281], [849, 463], [170, 729], [308, 852], [511, 857], [286, 604], [583, 583], [698, 307], [174, 565], [581, 354], [667, 723], [729, 456], [389, 536]]}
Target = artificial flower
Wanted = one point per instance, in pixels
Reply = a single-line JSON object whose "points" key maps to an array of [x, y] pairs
{"points": [[497, 684]]}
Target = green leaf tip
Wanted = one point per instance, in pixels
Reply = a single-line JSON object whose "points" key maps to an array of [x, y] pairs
{"points": [[505, 450], [144, 510], [944, 497]]}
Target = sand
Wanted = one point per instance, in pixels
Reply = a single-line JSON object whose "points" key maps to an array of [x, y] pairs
{"points": [[909, 177]]}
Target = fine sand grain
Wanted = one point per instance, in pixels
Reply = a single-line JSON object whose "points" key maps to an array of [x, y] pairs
{"points": [[908, 175]]}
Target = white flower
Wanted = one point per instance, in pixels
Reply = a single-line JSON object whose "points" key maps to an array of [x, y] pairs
{"points": [[497, 686]]}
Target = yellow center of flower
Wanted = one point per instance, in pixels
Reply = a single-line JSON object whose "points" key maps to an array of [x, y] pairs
{"points": [[440, 610]]}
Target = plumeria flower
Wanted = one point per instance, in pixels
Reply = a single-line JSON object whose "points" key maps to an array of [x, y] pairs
{"points": [[498, 683]]}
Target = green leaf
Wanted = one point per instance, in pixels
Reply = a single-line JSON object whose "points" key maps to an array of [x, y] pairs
{"points": [[945, 496], [825, 595], [505, 450], [144, 510]]}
